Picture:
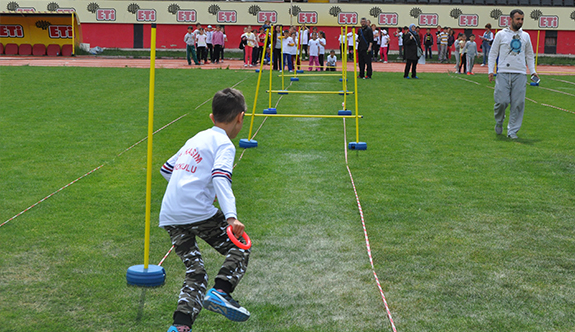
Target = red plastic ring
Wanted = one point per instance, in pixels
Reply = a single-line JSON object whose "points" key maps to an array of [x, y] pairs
{"points": [[236, 241]]}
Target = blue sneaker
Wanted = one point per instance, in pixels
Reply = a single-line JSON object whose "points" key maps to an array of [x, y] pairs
{"points": [[179, 328], [224, 304]]}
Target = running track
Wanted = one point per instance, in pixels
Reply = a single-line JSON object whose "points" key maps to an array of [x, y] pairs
{"points": [[117, 62]]}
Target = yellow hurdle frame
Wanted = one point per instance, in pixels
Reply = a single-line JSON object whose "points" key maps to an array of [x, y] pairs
{"points": [[344, 74]]}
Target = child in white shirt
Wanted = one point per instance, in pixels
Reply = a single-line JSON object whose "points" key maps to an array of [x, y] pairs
{"points": [[196, 174], [331, 61], [313, 47], [322, 41], [287, 45], [202, 44]]}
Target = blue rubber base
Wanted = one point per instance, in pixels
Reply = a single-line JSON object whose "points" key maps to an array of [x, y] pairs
{"points": [[357, 146], [257, 70], [341, 79], [246, 143], [294, 79], [344, 112], [341, 92], [281, 92], [534, 84], [152, 277], [270, 111], [299, 71]]}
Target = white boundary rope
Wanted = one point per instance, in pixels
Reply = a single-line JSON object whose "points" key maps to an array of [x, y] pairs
{"points": [[368, 246], [564, 81], [531, 100]]}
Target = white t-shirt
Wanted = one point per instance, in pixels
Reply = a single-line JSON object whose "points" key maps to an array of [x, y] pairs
{"points": [[313, 47], [252, 40], [209, 37], [304, 37], [384, 40], [200, 171], [201, 40], [376, 38], [321, 45], [289, 49], [350, 39], [331, 60], [400, 38]]}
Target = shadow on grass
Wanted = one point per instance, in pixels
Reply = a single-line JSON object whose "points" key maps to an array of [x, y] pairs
{"points": [[141, 306], [527, 141]]}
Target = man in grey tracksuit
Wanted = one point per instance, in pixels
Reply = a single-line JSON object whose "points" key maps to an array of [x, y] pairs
{"points": [[512, 49]]}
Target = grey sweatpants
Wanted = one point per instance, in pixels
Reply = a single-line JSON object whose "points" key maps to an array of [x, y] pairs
{"points": [[510, 90], [470, 63]]}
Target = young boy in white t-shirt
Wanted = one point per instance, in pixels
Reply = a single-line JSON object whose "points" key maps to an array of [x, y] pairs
{"points": [[331, 61], [287, 46], [200, 171]]}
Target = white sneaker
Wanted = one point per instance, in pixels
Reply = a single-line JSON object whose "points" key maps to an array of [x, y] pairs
{"points": [[482, 64], [385, 62]]}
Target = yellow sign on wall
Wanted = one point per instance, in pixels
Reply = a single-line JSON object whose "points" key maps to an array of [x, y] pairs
{"points": [[40, 28]]}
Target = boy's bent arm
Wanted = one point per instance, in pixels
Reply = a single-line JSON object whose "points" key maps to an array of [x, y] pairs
{"points": [[225, 196]]}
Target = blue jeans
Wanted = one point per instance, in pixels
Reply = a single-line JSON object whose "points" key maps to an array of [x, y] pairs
{"points": [[428, 51], [486, 48], [288, 61]]}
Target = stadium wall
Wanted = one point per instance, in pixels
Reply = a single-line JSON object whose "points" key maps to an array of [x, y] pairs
{"points": [[126, 24]]}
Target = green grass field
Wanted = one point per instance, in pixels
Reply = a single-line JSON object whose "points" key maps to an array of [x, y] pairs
{"points": [[470, 231]]}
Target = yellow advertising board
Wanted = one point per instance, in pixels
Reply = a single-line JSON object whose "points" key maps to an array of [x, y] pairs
{"points": [[40, 28], [322, 14]]}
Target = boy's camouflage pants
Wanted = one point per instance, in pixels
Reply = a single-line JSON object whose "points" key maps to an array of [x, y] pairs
{"points": [[213, 231]]}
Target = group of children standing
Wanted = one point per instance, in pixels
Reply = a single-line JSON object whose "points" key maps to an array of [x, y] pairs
{"points": [[312, 46], [252, 42], [205, 41], [465, 54]]}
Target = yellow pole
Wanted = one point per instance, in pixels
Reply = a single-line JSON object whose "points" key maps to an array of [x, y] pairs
{"points": [[298, 50], [355, 79], [283, 69], [150, 136], [537, 53], [258, 86], [73, 35], [272, 41], [344, 68]]}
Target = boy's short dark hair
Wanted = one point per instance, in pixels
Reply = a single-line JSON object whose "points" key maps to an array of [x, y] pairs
{"points": [[227, 104]]}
